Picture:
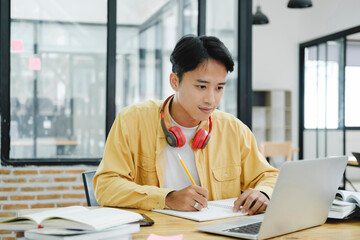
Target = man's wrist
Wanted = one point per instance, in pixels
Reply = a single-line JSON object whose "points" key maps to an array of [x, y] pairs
{"points": [[166, 198]]}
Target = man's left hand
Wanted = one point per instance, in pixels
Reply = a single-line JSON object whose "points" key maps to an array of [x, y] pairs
{"points": [[251, 200]]}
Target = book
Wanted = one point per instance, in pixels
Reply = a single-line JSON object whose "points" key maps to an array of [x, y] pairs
{"points": [[346, 205], [216, 210], [123, 231], [74, 217]]}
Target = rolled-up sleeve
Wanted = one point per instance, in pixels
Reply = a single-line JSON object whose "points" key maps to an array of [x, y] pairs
{"points": [[115, 180], [257, 172]]}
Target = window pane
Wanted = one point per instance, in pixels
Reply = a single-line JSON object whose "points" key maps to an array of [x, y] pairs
{"points": [[190, 16], [58, 70], [144, 44], [321, 97], [221, 21], [333, 62], [310, 86], [352, 84]]}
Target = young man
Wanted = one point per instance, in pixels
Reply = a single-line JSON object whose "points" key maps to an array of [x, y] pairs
{"points": [[141, 167]]}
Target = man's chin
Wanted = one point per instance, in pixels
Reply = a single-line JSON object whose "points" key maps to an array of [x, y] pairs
{"points": [[205, 117]]}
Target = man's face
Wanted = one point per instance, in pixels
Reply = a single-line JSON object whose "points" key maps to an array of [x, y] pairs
{"points": [[198, 93]]}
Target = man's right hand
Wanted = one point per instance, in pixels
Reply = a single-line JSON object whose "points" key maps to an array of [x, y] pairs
{"points": [[185, 199]]}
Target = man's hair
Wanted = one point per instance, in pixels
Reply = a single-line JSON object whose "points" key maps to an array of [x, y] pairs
{"points": [[192, 50]]}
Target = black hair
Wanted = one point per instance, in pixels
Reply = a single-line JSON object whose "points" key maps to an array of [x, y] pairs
{"points": [[192, 50]]}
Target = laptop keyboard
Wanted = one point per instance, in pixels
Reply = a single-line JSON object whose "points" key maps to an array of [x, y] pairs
{"points": [[248, 229]]}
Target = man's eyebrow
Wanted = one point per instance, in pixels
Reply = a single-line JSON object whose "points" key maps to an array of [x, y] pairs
{"points": [[202, 81], [207, 82]]}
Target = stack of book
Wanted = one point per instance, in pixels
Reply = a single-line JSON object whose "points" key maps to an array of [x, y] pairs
{"points": [[76, 222], [346, 205]]}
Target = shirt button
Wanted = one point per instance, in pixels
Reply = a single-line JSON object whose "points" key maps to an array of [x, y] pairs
{"points": [[226, 175], [144, 164], [158, 205]]}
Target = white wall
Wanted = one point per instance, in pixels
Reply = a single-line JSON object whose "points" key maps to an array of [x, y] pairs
{"points": [[276, 45]]}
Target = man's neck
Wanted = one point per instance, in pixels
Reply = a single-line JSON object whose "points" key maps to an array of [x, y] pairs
{"points": [[180, 116]]}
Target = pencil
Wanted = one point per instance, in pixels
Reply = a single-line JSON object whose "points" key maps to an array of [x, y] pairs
{"points": [[186, 170]]}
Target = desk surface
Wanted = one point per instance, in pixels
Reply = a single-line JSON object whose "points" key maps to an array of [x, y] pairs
{"points": [[168, 225]]}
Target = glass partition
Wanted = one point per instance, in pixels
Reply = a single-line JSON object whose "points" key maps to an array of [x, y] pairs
{"points": [[352, 83], [58, 61], [221, 21], [322, 84], [58, 76], [144, 45]]}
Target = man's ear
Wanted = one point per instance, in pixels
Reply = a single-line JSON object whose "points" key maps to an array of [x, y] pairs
{"points": [[174, 81]]}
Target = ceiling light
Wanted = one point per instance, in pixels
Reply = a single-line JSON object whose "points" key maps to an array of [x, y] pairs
{"points": [[259, 17], [299, 4]]}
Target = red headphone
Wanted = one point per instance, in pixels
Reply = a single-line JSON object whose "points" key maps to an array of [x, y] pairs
{"points": [[175, 137]]}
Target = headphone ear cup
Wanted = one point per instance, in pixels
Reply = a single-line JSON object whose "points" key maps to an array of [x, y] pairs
{"points": [[206, 141], [178, 135], [200, 139], [170, 138]]}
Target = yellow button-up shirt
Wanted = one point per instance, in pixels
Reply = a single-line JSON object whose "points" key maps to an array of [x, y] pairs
{"points": [[132, 171]]}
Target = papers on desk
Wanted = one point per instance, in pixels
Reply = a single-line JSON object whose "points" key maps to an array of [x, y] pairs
{"points": [[74, 217], [347, 205], [216, 210], [122, 232], [75, 223], [353, 161]]}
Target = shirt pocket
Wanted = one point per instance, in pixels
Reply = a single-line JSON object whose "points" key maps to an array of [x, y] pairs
{"points": [[227, 181], [146, 174]]}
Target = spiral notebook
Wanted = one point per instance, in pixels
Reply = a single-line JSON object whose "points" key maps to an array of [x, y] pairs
{"points": [[216, 210]]}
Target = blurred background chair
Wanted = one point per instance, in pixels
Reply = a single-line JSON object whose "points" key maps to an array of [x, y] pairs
{"points": [[89, 189], [278, 149]]}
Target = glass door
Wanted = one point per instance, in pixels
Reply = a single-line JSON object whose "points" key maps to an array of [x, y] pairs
{"points": [[323, 83]]}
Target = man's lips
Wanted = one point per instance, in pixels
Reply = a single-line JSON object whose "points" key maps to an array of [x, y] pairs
{"points": [[206, 109]]}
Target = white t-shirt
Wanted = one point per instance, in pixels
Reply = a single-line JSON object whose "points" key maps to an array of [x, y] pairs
{"points": [[175, 176]]}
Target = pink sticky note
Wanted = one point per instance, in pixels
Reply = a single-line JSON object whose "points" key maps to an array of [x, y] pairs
{"points": [[17, 45], [35, 64], [157, 237]]}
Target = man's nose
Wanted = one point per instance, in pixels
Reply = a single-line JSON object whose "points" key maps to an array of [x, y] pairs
{"points": [[210, 97]]}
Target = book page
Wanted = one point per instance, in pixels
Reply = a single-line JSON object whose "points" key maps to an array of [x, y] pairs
{"points": [[36, 218], [341, 206], [119, 232], [350, 196], [40, 216], [216, 210], [98, 218], [72, 232], [354, 197], [225, 203]]}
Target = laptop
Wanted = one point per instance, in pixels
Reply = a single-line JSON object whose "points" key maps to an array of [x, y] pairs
{"points": [[303, 194]]}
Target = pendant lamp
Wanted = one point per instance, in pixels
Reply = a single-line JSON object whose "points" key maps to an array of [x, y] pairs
{"points": [[299, 4], [259, 18]]}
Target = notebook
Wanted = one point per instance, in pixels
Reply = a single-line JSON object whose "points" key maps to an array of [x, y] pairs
{"points": [[301, 199], [216, 210]]}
